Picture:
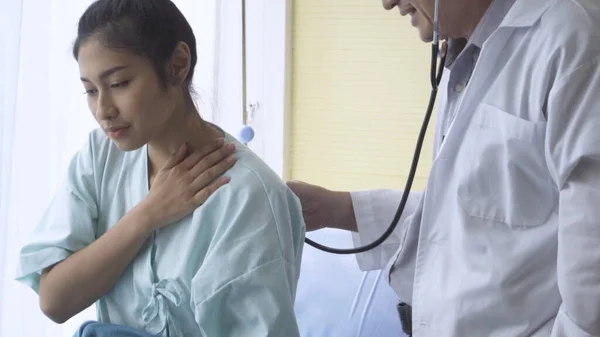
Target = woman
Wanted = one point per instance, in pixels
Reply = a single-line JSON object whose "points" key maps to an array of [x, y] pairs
{"points": [[140, 226]]}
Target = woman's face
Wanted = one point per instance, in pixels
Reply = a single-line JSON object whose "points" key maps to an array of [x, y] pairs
{"points": [[124, 94]]}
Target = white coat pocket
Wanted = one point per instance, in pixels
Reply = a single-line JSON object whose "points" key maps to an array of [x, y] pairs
{"points": [[506, 178]]}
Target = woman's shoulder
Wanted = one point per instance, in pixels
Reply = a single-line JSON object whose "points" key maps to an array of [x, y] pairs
{"points": [[256, 203], [252, 174], [252, 184]]}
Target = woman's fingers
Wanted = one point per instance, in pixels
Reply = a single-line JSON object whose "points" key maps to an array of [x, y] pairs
{"points": [[220, 158], [200, 154], [198, 172], [176, 157], [207, 176], [204, 193]]}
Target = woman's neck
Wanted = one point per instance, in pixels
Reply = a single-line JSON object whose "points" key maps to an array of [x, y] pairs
{"points": [[190, 129]]}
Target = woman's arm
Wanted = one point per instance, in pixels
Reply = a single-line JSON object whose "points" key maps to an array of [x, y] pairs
{"points": [[80, 280], [246, 284]]}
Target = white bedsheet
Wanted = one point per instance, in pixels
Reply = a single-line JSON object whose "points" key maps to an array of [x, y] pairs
{"points": [[336, 299]]}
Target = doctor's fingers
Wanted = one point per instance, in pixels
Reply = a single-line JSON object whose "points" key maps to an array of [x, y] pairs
{"points": [[313, 201]]}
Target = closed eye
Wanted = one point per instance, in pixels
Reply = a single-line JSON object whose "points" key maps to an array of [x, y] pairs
{"points": [[120, 84], [91, 92]]}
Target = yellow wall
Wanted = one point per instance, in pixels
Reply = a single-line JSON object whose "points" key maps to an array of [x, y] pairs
{"points": [[360, 90]]}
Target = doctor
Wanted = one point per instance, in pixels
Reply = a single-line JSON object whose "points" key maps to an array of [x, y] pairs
{"points": [[505, 240]]}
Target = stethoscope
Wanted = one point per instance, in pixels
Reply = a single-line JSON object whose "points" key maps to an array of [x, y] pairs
{"points": [[246, 134], [436, 76]]}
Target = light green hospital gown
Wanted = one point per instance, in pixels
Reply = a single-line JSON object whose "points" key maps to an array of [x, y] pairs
{"points": [[228, 269]]}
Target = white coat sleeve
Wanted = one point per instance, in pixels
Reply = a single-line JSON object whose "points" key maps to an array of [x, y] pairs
{"points": [[374, 211], [573, 157]]}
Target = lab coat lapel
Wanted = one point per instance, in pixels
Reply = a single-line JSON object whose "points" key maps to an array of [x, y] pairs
{"points": [[523, 13], [491, 57]]}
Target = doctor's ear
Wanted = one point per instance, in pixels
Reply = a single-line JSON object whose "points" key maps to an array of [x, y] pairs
{"points": [[178, 67]]}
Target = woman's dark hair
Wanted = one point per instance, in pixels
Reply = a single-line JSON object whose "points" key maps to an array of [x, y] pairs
{"points": [[148, 28]]}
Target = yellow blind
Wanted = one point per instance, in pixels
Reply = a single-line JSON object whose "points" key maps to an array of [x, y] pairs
{"points": [[360, 90]]}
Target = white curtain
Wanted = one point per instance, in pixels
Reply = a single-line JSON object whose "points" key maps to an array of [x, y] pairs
{"points": [[44, 119]]}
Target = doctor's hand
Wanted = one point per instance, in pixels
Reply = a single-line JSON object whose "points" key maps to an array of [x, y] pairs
{"points": [[323, 208], [186, 181]]}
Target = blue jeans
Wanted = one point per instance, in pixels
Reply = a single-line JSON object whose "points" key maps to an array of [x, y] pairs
{"points": [[95, 329]]}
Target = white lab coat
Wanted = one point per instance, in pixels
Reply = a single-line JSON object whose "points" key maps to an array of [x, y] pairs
{"points": [[505, 241]]}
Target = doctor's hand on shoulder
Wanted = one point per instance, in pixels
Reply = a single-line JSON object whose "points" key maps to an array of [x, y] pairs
{"points": [[324, 208], [186, 181]]}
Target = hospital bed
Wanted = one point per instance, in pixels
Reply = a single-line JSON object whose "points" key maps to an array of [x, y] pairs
{"points": [[336, 299]]}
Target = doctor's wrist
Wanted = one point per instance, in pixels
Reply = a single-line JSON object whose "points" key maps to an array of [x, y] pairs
{"points": [[342, 211]]}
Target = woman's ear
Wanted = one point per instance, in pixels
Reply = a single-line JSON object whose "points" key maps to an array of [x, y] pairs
{"points": [[179, 67]]}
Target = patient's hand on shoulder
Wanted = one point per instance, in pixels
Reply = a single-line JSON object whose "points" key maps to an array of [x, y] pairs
{"points": [[186, 181]]}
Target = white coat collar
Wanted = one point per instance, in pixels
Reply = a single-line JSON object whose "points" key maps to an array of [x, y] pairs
{"points": [[525, 13]]}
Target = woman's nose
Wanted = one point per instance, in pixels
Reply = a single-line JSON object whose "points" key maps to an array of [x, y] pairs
{"points": [[105, 108]]}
